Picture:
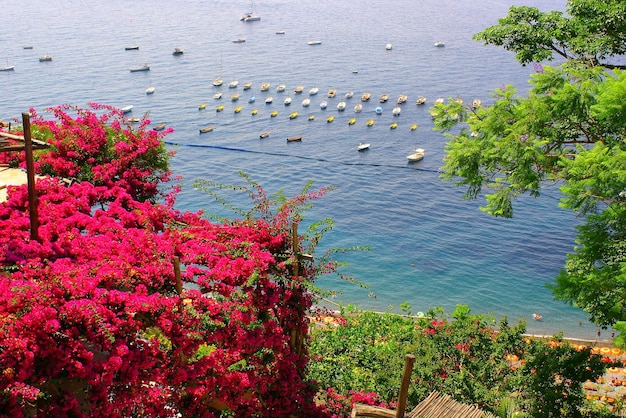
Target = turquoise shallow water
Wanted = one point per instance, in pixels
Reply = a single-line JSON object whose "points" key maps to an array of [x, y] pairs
{"points": [[429, 247]]}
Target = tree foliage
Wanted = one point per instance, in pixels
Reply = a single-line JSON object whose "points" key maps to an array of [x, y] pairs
{"points": [[567, 132]]}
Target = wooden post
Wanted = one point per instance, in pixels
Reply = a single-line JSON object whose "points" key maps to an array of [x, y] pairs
{"points": [[404, 386], [30, 176], [178, 282], [294, 249]]}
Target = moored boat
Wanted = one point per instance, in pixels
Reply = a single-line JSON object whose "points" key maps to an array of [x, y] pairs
{"points": [[294, 139], [313, 91], [202, 106], [365, 97], [332, 93], [269, 100], [274, 113], [362, 146], [383, 98], [247, 86], [314, 42], [298, 89], [439, 44], [219, 108], [234, 97], [358, 108], [311, 117], [127, 109], [178, 51], [330, 119], [287, 101], [306, 102], [349, 95], [420, 100], [217, 95], [393, 125], [233, 84], [476, 103], [417, 155], [265, 86], [402, 99], [280, 88], [264, 134], [370, 122], [323, 104], [254, 112], [414, 126], [351, 121], [150, 90], [396, 111], [239, 40], [237, 109], [144, 67], [379, 110], [160, 127], [206, 129], [44, 58], [341, 106], [128, 48], [293, 115], [251, 99]]}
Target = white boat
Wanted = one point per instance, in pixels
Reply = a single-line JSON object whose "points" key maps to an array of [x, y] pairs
{"points": [[150, 90], [420, 100], [219, 80], [247, 86], [396, 111], [217, 95], [439, 44], [239, 40], [314, 42], [233, 84], [388, 47], [280, 88], [269, 100], [251, 99], [280, 32], [362, 146], [341, 106], [8, 67], [127, 109], [45, 58], [178, 51], [128, 48], [324, 104], [251, 16], [144, 67], [349, 95], [379, 110], [306, 102], [298, 89], [358, 108], [417, 155], [313, 91], [287, 101], [476, 103]]}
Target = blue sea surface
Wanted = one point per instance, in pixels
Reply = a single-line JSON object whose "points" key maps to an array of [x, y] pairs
{"points": [[429, 246]]}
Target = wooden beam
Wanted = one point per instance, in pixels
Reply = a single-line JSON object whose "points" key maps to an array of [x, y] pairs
{"points": [[409, 361], [30, 175]]}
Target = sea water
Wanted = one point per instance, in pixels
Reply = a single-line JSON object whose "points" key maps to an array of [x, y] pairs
{"points": [[428, 246]]}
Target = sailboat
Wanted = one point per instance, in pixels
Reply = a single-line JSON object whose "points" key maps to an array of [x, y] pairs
{"points": [[8, 67], [250, 17], [219, 80]]}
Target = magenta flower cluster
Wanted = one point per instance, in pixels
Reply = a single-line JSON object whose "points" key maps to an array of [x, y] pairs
{"points": [[96, 318]]}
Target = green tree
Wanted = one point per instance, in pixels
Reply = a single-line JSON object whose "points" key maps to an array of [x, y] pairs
{"points": [[568, 131]]}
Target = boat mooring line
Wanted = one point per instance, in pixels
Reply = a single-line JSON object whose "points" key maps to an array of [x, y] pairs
{"points": [[408, 166]]}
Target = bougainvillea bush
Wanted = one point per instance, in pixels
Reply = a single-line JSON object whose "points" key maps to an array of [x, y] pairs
{"points": [[100, 145], [127, 307]]}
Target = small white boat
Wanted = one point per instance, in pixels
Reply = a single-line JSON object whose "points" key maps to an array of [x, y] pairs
{"points": [[439, 44], [218, 81], [349, 95], [239, 40], [440, 100], [233, 84], [362, 146], [341, 106], [314, 42], [417, 155], [264, 134], [144, 67], [306, 102], [280, 32], [8, 67], [127, 109], [323, 104], [247, 86], [269, 100], [298, 89], [476, 103], [249, 17], [280, 88], [358, 108], [420, 100], [396, 111], [388, 47], [313, 91], [178, 51], [251, 99], [217, 95], [379, 110], [45, 58], [128, 48], [287, 101], [150, 90]]}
